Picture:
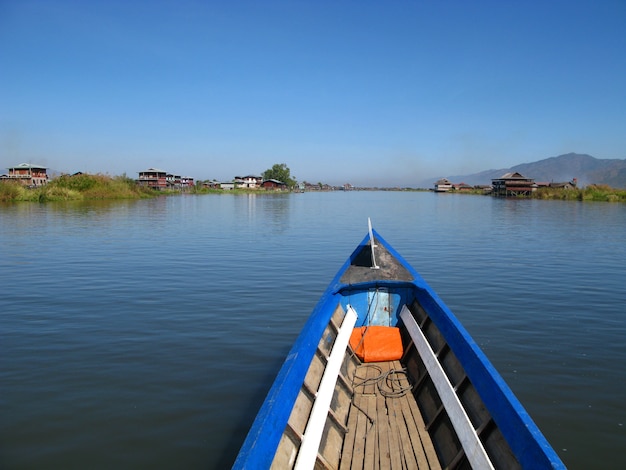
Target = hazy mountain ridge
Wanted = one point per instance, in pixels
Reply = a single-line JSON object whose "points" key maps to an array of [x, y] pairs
{"points": [[587, 169]]}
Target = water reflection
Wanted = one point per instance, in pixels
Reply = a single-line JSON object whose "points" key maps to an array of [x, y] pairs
{"points": [[271, 209]]}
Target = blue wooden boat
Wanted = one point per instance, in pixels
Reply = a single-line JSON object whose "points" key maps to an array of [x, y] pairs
{"points": [[383, 375]]}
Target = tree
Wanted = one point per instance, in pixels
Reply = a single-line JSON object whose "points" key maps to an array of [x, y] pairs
{"points": [[280, 172]]}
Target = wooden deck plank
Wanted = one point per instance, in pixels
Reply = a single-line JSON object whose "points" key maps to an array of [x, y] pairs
{"points": [[348, 443], [396, 426], [427, 445], [382, 421], [400, 381], [395, 452], [389, 457], [422, 444], [362, 421], [369, 401], [414, 443], [406, 446], [395, 456], [371, 441], [397, 439]]}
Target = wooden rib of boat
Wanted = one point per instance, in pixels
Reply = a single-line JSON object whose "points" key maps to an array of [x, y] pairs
{"points": [[383, 375]]}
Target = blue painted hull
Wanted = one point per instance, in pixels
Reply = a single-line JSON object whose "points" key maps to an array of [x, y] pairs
{"points": [[529, 446]]}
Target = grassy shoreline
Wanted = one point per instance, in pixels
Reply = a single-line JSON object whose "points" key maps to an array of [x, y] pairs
{"points": [[602, 193], [94, 187], [76, 188], [591, 193]]}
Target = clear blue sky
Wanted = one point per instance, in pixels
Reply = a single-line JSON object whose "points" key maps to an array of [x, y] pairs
{"points": [[366, 92]]}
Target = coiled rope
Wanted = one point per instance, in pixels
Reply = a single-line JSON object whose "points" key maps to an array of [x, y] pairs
{"points": [[389, 384]]}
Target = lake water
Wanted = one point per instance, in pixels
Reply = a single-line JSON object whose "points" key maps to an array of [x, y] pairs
{"points": [[145, 334]]}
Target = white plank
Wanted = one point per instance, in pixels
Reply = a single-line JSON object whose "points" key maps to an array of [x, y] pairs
{"points": [[474, 450], [315, 427], [372, 245]]}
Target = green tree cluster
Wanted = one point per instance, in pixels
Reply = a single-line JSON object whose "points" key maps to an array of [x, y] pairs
{"points": [[280, 172]]}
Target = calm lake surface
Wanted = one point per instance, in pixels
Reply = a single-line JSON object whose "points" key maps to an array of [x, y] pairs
{"points": [[145, 334]]}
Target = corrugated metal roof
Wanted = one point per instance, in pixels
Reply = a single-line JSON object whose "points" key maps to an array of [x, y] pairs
{"points": [[22, 166]]}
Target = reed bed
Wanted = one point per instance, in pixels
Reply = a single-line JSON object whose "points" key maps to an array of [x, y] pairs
{"points": [[77, 187], [592, 192]]}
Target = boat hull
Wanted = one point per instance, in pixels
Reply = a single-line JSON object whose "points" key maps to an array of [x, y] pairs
{"points": [[464, 413]]}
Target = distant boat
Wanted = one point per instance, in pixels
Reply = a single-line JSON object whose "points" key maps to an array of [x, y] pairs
{"points": [[383, 375]]}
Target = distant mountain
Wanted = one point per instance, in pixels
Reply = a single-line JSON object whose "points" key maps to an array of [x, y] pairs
{"points": [[587, 169]]}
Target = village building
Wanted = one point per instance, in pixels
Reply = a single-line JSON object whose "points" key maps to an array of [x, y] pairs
{"points": [[160, 179], [463, 187], [565, 185], [153, 178], [558, 185], [443, 185], [172, 181], [273, 185], [27, 174], [179, 182], [250, 182], [305, 186], [213, 184], [513, 184]]}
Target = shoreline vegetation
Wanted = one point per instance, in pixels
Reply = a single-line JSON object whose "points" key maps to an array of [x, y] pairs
{"points": [[98, 186], [593, 192], [76, 188], [86, 187]]}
